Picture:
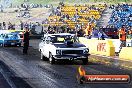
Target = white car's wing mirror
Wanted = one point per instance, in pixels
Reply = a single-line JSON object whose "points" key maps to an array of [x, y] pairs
{"points": [[42, 38]]}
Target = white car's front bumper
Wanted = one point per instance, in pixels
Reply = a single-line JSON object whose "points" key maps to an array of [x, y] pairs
{"points": [[71, 56]]}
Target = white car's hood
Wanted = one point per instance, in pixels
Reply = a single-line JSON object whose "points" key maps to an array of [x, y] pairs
{"points": [[63, 45]]}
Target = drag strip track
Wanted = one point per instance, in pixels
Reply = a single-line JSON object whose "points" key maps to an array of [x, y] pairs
{"points": [[41, 74], [4, 83]]}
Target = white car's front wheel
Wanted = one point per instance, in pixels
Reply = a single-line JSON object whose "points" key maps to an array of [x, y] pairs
{"points": [[43, 57], [85, 61], [51, 59]]}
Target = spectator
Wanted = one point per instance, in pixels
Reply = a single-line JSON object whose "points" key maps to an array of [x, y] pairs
{"points": [[33, 27], [49, 27], [68, 29], [4, 26], [99, 36], [82, 11], [67, 16], [103, 36], [1, 8], [9, 26], [62, 4], [0, 26], [122, 36], [89, 29], [21, 25], [76, 10], [130, 32], [54, 28], [26, 25], [80, 33], [13, 26]]}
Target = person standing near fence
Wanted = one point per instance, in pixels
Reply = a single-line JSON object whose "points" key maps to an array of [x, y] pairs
{"points": [[0, 26], [21, 25], [130, 32], [4, 26], [122, 36]]}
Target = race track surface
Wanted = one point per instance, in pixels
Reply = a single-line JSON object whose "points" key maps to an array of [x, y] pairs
{"points": [[41, 74]]}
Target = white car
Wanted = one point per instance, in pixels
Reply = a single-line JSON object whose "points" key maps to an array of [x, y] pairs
{"points": [[62, 46]]}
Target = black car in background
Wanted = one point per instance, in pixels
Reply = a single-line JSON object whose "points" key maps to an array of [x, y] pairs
{"points": [[111, 32]]}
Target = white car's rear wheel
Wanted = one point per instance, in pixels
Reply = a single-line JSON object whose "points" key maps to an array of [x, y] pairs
{"points": [[19, 45], [51, 59], [42, 56]]}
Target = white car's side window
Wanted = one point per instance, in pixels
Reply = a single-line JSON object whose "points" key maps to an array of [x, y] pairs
{"points": [[44, 39], [48, 40]]}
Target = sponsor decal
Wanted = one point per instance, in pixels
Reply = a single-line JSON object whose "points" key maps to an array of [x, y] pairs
{"points": [[101, 47], [100, 78]]}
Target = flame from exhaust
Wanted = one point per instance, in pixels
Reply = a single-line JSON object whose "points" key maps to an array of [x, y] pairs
{"points": [[81, 71]]}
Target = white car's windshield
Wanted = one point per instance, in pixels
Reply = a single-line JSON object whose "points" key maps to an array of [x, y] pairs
{"points": [[62, 39]]}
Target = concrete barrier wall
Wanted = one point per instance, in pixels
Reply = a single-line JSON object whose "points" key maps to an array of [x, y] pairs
{"points": [[31, 36], [4, 31], [101, 47], [116, 43], [9, 31], [126, 53]]}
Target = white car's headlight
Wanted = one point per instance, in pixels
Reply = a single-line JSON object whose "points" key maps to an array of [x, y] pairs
{"points": [[58, 52], [85, 51]]}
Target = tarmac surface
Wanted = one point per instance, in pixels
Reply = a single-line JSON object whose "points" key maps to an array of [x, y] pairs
{"points": [[29, 71], [3, 82]]}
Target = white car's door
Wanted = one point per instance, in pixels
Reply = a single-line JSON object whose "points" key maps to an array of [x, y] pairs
{"points": [[44, 46], [41, 44], [46, 50], [47, 47]]}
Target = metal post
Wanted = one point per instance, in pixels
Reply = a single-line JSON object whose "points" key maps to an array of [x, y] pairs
{"points": [[3, 43], [76, 21], [131, 43]]}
